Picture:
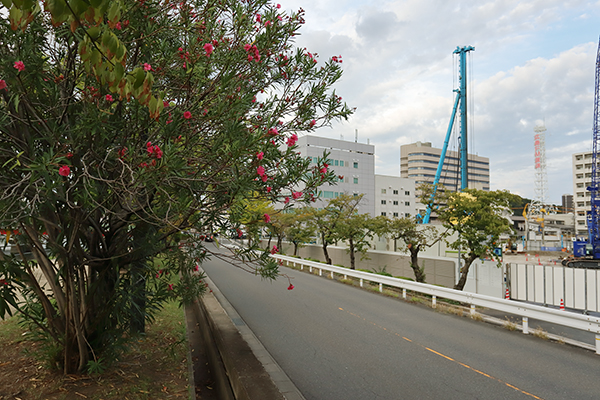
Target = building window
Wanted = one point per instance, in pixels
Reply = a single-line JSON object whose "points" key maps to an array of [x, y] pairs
{"points": [[383, 202], [407, 193], [355, 164], [383, 191], [336, 162], [395, 202], [383, 213], [355, 180], [395, 192], [315, 160], [407, 215], [341, 163], [407, 203], [395, 214]]}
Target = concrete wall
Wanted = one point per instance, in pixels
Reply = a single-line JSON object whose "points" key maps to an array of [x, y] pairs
{"points": [[438, 270]]}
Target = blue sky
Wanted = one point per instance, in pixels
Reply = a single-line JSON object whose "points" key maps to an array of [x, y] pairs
{"points": [[534, 62]]}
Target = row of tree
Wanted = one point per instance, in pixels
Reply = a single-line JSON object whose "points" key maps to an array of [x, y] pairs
{"points": [[478, 217]]}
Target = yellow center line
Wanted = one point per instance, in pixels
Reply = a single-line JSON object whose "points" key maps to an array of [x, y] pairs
{"points": [[448, 358]]}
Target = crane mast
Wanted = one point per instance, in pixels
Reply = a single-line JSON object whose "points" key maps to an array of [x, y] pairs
{"points": [[460, 104], [593, 214]]}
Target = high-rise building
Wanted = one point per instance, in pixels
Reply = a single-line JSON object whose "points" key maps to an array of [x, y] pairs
{"points": [[419, 161], [567, 203]]}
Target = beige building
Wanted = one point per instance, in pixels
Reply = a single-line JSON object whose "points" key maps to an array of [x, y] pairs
{"points": [[419, 161]]}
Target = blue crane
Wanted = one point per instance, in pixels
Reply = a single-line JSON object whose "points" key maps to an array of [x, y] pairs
{"points": [[587, 253], [461, 100]]}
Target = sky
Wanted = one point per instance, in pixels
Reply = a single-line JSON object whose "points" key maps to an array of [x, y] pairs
{"points": [[533, 64]]}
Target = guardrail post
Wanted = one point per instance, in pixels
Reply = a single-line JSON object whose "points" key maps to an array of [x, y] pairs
{"points": [[433, 301], [404, 293], [361, 282], [345, 276], [301, 267], [381, 287], [320, 272], [472, 309], [310, 269], [526, 325], [597, 344], [331, 274]]}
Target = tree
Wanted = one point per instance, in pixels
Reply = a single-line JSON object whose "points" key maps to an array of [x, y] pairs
{"points": [[356, 229], [479, 218], [300, 231], [125, 123], [325, 221], [415, 237]]}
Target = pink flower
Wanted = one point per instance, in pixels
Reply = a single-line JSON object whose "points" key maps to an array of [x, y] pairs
{"points": [[196, 268], [296, 195], [290, 287], [64, 170], [149, 148], [278, 6], [118, 25], [2, 84], [122, 152], [260, 170], [287, 200], [147, 67], [165, 103], [170, 286], [209, 49], [269, 188], [108, 97], [273, 132], [312, 123], [19, 66], [267, 218], [260, 155], [247, 47], [258, 18], [69, 155], [187, 115], [292, 140], [264, 178], [268, 23], [274, 250], [158, 152]]}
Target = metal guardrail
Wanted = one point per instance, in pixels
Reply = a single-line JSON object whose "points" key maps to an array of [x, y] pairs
{"points": [[578, 321]]}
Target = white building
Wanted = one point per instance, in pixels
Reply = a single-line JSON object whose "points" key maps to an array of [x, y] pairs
{"points": [[352, 162], [582, 178], [395, 196]]}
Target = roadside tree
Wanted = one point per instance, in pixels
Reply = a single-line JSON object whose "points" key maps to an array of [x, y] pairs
{"points": [[126, 124], [479, 217]]}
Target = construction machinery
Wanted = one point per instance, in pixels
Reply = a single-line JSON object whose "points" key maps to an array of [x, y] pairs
{"points": [[587, 253]]}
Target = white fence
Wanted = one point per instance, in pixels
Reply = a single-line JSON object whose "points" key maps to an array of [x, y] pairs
{"points": [[583, 322], [577, 287]]}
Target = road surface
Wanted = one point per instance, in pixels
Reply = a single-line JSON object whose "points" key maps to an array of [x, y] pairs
{"points": [[339, 342]]}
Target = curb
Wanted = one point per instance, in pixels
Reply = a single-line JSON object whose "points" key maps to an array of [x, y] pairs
{"points": [[241, 367]]}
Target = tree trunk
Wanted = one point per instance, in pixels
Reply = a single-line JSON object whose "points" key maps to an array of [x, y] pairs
{"points": [[414, 264], [352, 257], [295, 248], [327, 259], [280, 243], [464, 271]]}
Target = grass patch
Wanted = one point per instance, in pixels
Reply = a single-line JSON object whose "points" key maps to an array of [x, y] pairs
{"points": [[539, 332], [153, 367], [509, 325]]}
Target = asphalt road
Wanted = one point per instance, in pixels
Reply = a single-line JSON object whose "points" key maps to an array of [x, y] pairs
{"points": [[339, 342]]}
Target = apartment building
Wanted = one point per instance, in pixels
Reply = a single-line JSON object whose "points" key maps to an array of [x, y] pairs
{"points": [[395, 196], [419, 161], [582, 178]]}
